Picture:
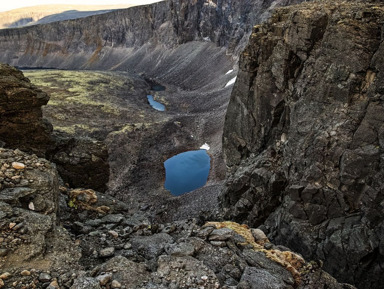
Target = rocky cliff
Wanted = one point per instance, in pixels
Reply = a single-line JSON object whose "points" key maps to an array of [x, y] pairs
{"points": [[81, 161], [304, 136], [140, 38], [21, 119]]}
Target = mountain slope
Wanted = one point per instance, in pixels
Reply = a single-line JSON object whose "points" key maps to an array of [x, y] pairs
{"points": [[51, 13], [140, 38]]}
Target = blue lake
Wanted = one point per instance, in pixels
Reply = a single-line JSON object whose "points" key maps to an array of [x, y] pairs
{"points": [[187, 171], [156, 105]]}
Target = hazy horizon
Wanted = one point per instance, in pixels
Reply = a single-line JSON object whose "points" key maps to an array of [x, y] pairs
{"points": [[15, 4]]}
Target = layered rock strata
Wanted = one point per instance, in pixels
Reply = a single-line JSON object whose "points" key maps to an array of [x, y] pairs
{"points": [[123, 39], [304, 136]]}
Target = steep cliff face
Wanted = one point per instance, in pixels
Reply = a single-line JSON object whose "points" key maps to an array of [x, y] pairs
{"points": [[304, 136], [141, 39], [21, 121]]}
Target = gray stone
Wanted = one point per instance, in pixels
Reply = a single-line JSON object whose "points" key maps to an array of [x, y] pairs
{"points": [[44, 277], [151, 246], [254, 278], [112, 219], [104, 278], [222, 234], [107, 252], [128, 273], [181, 249], [86, 283]]}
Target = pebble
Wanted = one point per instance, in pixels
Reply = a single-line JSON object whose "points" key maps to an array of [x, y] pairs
{"points": [[1, 283], [116, 284], [12, 225], [3, 252], [107, 252], [104, 279], [259, 235], [18, 166], [53, 285], [5, 275], [127, 246], [222, 234], [44, 277], [31, 206], [25, 273], [219, 243], [114, 234]]}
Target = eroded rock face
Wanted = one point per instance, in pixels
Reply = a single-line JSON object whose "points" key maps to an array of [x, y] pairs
{"points": [[29, 203], [21, 123], [304, 136], [82, 162]]}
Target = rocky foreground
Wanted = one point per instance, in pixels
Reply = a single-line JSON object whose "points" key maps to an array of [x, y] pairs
{"points": [[56, 237]]}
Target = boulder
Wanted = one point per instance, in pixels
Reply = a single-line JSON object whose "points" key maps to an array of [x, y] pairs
{"points": [[21, 121]]}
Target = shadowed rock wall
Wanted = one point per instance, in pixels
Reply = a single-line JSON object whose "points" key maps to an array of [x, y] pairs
{"points": [[304, 136], [21, 120]]}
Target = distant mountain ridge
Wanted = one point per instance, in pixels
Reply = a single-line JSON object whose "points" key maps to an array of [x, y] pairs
{"points": [[50, 13]]}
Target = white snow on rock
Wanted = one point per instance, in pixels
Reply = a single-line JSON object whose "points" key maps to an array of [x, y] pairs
{"points": [[205, 147], [229, 71], [232, 81]]}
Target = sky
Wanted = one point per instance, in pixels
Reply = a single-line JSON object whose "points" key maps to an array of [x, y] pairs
{"points": [[13, 4]]}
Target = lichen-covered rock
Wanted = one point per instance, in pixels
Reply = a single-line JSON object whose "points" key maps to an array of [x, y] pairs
{"points": [[21, 123], [303, 136]]}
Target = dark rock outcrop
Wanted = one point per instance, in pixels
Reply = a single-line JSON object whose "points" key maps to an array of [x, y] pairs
{"points": [[304, 136], [29, 191], [21, 123], [82, 162]]}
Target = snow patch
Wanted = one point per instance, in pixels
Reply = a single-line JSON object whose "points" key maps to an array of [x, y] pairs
{"points": [[232, 81], [229, 71], [205, 147]]}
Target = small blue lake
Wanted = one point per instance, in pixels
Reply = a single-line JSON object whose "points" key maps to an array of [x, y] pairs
{"points": [[156, 105], [187, 171]]}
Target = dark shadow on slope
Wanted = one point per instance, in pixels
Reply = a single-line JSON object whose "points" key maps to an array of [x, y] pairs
{"points": [[21, 22]]}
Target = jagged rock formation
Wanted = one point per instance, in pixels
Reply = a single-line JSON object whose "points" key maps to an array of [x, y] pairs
{"points": [[21, 121], [81, 161], [29, 191], [304, 136]]}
